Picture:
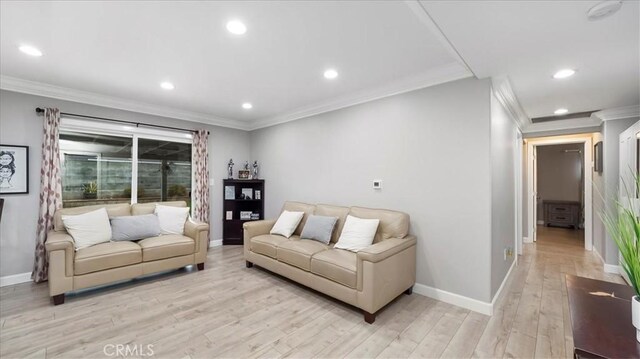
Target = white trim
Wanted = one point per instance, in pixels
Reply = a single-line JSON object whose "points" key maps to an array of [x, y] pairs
{"points": [[527, 240], [435, 30], [67, 94], [447, 73], [215, 243], [504, 283], [504, 93], [588, 185], [612, 268], [15, 279], [618, 113], [455, 299]]}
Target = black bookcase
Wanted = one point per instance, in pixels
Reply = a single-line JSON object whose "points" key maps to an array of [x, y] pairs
{"points": [[240, 197]]}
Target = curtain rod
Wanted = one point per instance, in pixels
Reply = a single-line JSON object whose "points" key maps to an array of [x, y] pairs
{"points": [[40, 111]]}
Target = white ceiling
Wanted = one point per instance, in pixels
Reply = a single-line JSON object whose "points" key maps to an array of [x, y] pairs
{"points": [[125, 49], [116, 53], [529, 41]]}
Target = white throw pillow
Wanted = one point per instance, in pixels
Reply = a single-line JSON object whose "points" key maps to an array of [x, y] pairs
{"points": [[287, 223], [357, 233], [89, 228], [171, 218]]}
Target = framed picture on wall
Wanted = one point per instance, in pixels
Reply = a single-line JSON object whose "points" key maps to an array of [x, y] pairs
{"points": [[14, 169], [597, 157]]}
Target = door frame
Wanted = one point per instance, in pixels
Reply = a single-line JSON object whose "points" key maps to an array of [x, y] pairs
{"points": [[588, 183]]}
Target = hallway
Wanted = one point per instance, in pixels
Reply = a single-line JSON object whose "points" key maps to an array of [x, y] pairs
{"points": [[532, 318]]}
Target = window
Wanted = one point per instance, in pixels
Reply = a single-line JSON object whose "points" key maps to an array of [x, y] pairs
{"points": [[96, 169], [102, 168], [164, 171]]}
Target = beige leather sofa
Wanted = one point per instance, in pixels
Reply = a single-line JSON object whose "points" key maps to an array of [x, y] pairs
{"points": [[114, 261], [368, 279]]}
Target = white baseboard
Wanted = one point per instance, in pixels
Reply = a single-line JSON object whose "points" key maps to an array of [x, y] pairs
{"points": [[215, 243], [455, 299], [612, 268], [504, 282], [527, 240], [15, 279]]}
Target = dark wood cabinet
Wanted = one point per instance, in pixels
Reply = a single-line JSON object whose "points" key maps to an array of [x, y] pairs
{"points": [[243, 201], [562, 213]]}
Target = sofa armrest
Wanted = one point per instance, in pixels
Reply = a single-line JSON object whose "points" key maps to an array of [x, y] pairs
{"points": [[386, 248], [194, 231], [256, 228], [62, 241]]}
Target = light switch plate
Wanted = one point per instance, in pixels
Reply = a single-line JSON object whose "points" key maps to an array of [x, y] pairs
{"points": [[377, 184]]}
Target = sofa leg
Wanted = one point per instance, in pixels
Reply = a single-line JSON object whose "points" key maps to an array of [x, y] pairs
{"points": [[200, 266], [409, 291], [249, 264], [368, 317], [58, 299]]}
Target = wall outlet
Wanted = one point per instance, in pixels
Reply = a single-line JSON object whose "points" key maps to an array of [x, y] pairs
{"points": [[508, 252], [377, 184]]}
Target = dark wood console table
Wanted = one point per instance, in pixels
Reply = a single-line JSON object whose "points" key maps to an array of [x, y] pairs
{"points": [[562, 213], [601, 323]]}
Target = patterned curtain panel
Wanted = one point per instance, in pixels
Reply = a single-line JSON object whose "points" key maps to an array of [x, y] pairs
{"points": [[50, 189], [201, 164]]}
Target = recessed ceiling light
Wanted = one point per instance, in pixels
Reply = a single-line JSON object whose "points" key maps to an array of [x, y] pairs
{"points": [[236, 27], [30, 50], [564, 73], [561, 111], [603, 9], [330, 74], [247, 106], [167, 85]]}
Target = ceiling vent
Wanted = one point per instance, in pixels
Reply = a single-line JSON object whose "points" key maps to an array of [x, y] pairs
{"points": [[586, 114]]}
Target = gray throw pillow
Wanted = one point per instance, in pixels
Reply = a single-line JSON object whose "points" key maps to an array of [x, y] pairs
{"points": [[319, 228], [132, 228]]}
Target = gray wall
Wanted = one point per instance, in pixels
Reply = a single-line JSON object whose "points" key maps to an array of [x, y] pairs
{"points": [[598, 203], [431, 149], [611, 131], [503, 191], [559, 174], [19, 125]]}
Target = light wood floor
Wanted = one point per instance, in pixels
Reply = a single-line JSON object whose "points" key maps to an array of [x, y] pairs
{"points": [[230, 311]]}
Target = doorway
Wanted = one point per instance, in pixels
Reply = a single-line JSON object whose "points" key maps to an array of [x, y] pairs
{"points": [[562, 208]]}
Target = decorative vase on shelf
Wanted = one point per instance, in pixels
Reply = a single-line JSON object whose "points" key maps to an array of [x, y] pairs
{"points": [[635, 315]]}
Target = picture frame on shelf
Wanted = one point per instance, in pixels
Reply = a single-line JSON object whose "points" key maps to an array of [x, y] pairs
{"points": [[245, 215], [229, 215], [247, 193], [243, 174], [257, 194], [14, 169], [255, 216], [229, 192]]}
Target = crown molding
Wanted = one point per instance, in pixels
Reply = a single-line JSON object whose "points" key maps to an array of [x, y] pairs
{"points": [[618, 113], [90, 98], [504, 93], [447, 73], [571, 124]]}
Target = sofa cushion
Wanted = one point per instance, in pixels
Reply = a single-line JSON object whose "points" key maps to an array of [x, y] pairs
{"points": [[267, 244], [167, 246], [336, 264], [393, 224], [113, 210], [308, 209], [106, 256], [150, 208], [298, 252], [334, 211]]}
